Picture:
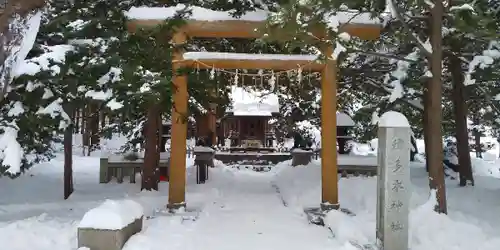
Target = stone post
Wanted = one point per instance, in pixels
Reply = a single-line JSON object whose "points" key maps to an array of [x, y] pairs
{"points": [[393, 193], [204, 159], [301, 157]]}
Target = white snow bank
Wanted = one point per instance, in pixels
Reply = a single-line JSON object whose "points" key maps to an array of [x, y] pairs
{"points": [[428, 230], [466, 226], [431, 230], [39, 232], [112, 215], [486, 168]]}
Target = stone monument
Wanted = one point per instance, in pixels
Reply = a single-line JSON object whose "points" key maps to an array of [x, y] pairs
{"points": [[393, 193]]}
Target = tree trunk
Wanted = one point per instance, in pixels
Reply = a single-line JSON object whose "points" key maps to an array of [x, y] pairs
{"points": [[103, 119], [76, 121], [160, 136], [94, 126], [425, 123], [477, 136], [83, 118], [68, 155], [85, 130], [498, 140], [461, 133], [435, 155], [122, 116], [149, 175], [160, 147]]}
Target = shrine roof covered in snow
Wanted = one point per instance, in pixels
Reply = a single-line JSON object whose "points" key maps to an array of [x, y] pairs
{"points": [[247, 102], [204, 22]]}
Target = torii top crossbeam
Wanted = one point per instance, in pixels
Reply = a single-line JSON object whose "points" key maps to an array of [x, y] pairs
{"points": [[220, 24]]}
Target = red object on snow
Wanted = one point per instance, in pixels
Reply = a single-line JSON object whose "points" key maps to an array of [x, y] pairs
{"points": [[163, 178]]}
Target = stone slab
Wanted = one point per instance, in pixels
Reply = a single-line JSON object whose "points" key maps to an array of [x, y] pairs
{"points": [[99, 239], [301, 157]]}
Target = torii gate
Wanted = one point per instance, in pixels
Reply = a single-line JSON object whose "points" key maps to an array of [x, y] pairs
{"points": [[207, 25]]}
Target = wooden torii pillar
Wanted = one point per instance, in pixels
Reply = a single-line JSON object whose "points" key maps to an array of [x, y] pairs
{"points": [[329, 168], [177, 169], [208, 60]]}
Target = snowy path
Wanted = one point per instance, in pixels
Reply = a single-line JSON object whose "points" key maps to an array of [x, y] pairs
{"points": [[242, 211]]}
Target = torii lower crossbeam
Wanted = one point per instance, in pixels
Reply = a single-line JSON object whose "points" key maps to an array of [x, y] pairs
{"points": [[209, 60]]}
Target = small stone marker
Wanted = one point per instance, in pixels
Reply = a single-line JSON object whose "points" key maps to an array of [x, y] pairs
{"points": [[301, 156], [110, 225], [393, 194]]}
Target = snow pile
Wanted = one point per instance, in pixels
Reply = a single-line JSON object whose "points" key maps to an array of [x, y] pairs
{"points": [[11, 150], [252, 103], [393, 119], [112, 215], [431, 230], [242, 209], [38, 233], [364, 149], [481, 167], [464, 228]]}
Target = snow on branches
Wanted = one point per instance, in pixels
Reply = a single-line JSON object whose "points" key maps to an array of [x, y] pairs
{"points": [[16, 42], [485, 60], [27, 100]]}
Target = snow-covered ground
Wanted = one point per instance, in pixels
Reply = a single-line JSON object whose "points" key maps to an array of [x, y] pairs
{"points": [[243, 209]]}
